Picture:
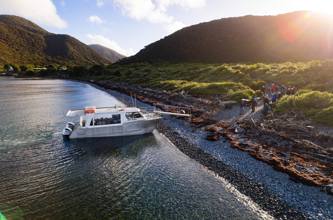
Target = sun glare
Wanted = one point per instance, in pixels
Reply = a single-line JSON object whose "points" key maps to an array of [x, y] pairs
{"points": [[324, 7]]}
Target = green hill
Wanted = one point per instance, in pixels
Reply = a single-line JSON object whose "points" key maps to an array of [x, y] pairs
{"points": [[107, 53], [23, 42], [297, 36]]}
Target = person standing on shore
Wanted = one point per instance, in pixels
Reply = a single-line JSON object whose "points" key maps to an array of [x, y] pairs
{"points": [[243, 105], [266, 108], [253, 104], [274, 97], [273, 88]]}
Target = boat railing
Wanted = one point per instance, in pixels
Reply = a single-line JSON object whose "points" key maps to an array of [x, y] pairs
{"points": [[147, 109], [174, 111], [151, 110]]}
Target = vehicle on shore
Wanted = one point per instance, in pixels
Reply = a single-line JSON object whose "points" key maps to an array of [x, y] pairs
{"points": [[112, 122]]}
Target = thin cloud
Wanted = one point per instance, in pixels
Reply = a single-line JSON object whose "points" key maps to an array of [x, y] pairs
{"points": [[143, 10], [63, 3], [106, 42], [156, 11], [174, 26], [95, 19], [99, 3], [42, 12], [164, 4]]}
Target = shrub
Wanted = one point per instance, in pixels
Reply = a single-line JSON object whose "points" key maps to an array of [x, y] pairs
{"points": [[234, 91], [241, 94], [23, 68], [325, 116], [316, 105], [218, 88], [305, 101]]}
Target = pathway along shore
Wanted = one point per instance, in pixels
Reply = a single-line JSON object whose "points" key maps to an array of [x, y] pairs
{"points": [[273, 203]]}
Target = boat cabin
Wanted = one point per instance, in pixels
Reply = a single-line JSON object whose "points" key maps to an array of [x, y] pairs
{"points": [[93, 117]]}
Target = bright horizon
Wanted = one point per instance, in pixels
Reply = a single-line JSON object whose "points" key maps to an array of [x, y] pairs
{"points": [[128, 25]]}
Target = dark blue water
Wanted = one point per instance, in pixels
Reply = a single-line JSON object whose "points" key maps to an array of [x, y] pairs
{"points": [[145, 177]]}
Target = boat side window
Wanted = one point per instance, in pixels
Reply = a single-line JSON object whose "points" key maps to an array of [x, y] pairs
{"points": [[83, 123], [133, 115], [115, 119]]}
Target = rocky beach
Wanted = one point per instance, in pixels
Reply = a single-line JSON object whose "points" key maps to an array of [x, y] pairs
{"points": [[289, 145], [241, 153]]}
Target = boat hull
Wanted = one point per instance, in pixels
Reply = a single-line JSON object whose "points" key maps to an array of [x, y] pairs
{"points": [[138, 127]]}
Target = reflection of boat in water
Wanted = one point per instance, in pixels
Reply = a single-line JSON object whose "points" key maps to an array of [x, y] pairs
{"points": [[126, 146], [112, 122]]}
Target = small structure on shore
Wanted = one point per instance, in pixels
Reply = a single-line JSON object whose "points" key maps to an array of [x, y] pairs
{"points": [[37, 69], [63, 68]]}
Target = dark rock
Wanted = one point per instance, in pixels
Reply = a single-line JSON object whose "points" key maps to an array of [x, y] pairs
{"points": [[328, 189], [213, 137]]}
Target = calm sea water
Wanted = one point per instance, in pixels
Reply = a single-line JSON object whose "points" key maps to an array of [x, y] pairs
{"points": [[146, 177]]}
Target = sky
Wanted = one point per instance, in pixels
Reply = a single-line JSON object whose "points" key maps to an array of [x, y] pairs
{"points": [[127, 26]]}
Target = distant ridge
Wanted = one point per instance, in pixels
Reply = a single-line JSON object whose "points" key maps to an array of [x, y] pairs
{"points": [[107, 53], [23, 42], [295, 36]]}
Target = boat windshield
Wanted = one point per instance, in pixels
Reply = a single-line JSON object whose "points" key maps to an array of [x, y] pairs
{"points": [[133, 115]]}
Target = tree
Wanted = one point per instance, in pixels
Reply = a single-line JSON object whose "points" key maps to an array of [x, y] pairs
{"points": [[23, 68], [7, 67], [97, 70], [15, 68], [79, 71], [51, 67]]}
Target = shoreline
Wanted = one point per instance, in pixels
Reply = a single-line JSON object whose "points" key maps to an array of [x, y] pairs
{"points": [[269, 199], [255, 191], [257, 137], [268, 196]]}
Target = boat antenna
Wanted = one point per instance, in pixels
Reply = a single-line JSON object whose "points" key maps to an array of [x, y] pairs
{"points": [[123, 98], [132, 99]]}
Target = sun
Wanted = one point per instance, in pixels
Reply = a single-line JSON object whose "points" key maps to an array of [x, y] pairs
{"points": [[321, 6]]}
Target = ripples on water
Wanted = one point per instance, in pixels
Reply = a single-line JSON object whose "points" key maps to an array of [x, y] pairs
{"points": [[145, 177]]}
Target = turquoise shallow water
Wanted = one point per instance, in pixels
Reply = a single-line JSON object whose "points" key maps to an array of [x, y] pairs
{"points": [[145, 177]]}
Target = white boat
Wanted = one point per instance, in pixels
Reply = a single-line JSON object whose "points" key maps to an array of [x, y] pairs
{"points": [[112, 122]]}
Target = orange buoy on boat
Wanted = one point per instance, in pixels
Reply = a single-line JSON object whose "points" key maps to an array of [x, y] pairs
{"points": [[90, 110]]}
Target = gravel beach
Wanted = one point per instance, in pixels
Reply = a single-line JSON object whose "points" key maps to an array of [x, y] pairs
{"points": [[272, 190]]}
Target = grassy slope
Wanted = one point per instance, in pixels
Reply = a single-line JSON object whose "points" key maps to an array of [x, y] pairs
{"points": [[221, 78], [197, 79], [232, 81], [236, 81]]}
